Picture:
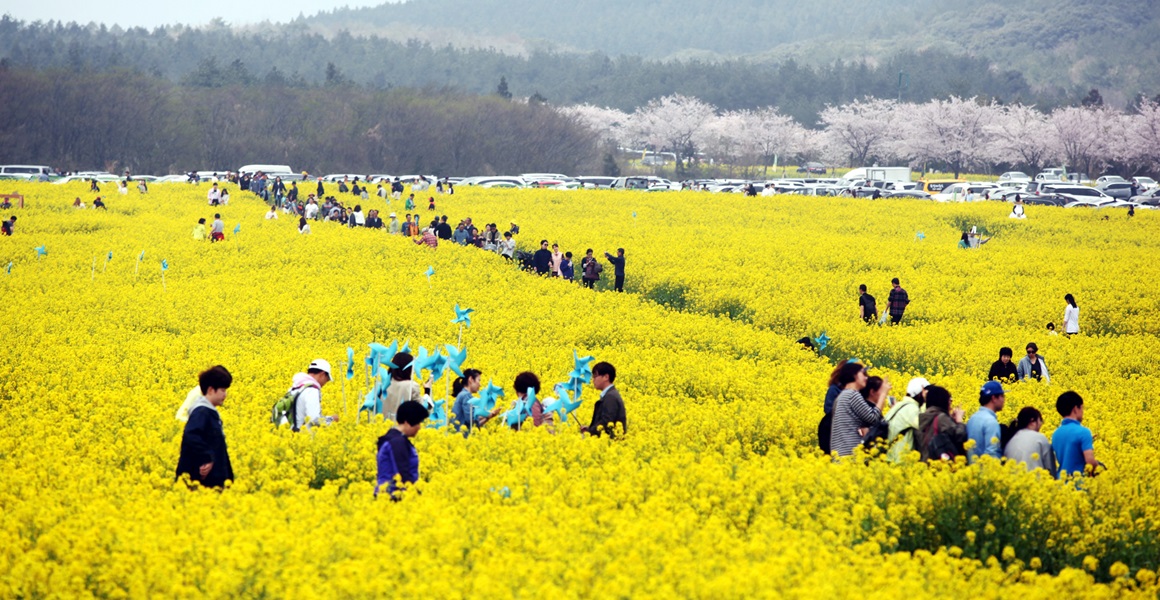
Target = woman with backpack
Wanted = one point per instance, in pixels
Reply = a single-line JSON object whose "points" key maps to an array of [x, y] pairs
{"points": [[941, 431], [852, 413]]}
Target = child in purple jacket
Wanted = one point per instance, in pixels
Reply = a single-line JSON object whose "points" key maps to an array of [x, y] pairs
{"points": [[398, 461]]}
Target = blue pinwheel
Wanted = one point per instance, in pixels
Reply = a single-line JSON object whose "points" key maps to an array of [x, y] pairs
{"points": [[8, 271], [41, 251], [455, 358], [463, 316], [141, 256], [438, 416], [349, 362], [522, 409], [485, 403], [430, 272], [823, 341], [564, 405], [580, 368], [164, 265], [436, 363], [109, 257], [920, 235], [237, 228]]}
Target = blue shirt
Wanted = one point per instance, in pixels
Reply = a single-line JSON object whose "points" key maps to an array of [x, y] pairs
{"points": [[1069, 442], [464, 418], [983, 428]]}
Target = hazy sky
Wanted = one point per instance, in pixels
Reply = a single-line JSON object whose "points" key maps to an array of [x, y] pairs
{"points": [[151, 13]]}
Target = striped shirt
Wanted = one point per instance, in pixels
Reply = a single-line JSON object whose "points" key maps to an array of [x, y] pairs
{"points": [[851, 412]]}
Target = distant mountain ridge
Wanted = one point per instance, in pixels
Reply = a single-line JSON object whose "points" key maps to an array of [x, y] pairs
{"points": [[1113, 45]]}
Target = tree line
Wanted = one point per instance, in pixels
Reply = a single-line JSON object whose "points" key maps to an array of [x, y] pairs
{"points": [[120, 118], [275, 55]]}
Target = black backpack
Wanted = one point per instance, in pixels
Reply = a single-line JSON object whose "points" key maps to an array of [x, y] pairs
{"points": [[876, 434], [825, 427]]}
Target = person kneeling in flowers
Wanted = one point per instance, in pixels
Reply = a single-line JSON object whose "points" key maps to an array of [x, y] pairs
{"points": [[397, 458], [204, 456]]}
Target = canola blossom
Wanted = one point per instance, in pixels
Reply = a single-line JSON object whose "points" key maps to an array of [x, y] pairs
{"points": [[717, 489]]}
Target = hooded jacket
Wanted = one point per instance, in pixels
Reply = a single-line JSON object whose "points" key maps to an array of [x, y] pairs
{"points": [[955, 432], [204, 441]]}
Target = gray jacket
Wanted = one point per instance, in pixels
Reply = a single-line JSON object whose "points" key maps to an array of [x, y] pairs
{"points": [[1024, 369]]}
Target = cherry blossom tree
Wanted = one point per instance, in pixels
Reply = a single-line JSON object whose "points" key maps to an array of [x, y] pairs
{"points": [[1021, 135], [1143, 134], [725, 137], [1083, 134], [609, 123], [773, 134], [672, 123], [865, 128], [947, 131]]}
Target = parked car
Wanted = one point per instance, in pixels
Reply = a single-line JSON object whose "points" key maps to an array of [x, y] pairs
{"points": [[336, 177], [1145, 182], [1016, 176], [1046, 200], [960, 191], [1076, 192], [917, 194], [812, 167], [1117, 189], [1106, 179], [595, 182]]}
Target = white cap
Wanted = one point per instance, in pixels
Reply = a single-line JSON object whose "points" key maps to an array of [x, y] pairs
{"points": [[321, 365], [915, 387], [392, 215]]}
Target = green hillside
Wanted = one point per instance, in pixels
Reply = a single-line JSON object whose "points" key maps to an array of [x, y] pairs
{"points": [[1056, 44]]}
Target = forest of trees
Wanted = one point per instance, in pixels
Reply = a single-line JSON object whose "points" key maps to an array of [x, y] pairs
{"points": [[121, 119], [222, 56]]}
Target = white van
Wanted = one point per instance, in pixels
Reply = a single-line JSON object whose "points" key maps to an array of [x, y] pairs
{"points": [[26, 171], [877, 174], [269, 170]]}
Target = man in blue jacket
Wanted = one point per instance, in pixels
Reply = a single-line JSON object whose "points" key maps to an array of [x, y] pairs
{"points": [[398, 461], [618, 267], [204, 456]]}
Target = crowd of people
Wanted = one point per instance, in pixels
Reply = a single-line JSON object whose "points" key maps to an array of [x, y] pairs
{"points": [[205, 459], [859, 412]]}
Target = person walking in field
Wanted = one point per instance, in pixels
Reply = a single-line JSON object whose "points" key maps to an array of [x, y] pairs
{"points": [[983, 426], [1032, 366], [1072, 442], [1070, 316], [542, 259], [902, 420], [204, 457], [218, 232], [396, 458], [617, 268], [403, 386], [898, 301], [867, 306], [941, 432], [308, 387], [591, 269], [851, 411], [557, 258], [567, 272], [1003, 369], [1027, 445], [609, 411]]}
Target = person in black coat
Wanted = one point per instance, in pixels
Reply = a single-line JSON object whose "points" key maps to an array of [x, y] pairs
{"points": [[542, 259], [618, 267], [204, 457], [1003, 368], [609, 411]]}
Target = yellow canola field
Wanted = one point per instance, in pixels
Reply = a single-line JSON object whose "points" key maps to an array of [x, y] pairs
{"points": [[716, 491]]}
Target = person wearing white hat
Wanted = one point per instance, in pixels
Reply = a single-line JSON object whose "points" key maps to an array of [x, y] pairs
{"points": [[393, 227], [307, 388], [902, 419]]}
